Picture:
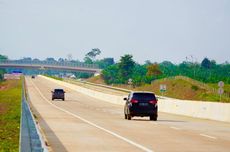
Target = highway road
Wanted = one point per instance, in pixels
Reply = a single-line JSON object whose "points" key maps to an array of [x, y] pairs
{"points": [[82, 123]]}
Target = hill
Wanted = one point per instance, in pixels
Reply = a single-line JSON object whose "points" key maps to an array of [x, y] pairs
{"points": [[179, 87]]}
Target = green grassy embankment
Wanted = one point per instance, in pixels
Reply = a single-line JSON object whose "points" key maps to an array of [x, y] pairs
{"points": [[54, 77], [179, 87], [10, 113]]}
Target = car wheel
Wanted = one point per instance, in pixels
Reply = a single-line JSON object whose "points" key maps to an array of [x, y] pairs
{"points": [[125, 116], [129, 117], [52, 99], [153, 117], [63, 99]]}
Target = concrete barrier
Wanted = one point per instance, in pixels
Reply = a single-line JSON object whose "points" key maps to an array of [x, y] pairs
{"points": [[198, 109]]}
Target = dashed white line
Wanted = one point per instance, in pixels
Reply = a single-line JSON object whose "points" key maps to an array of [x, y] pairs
{"points": [[204, 135], [175, 128], [92, 124]]}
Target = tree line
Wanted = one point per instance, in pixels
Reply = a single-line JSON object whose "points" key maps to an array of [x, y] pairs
{"points": [[127, 69], [2, 71]]}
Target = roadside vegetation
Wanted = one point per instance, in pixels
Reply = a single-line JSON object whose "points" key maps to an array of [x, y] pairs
{"points": [[10, 111], [207, 71], [2, 71], [188, 80], [127, 72], [54, 77], [179, 87]]}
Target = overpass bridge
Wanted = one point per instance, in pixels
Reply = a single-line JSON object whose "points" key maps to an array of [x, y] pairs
{"points": [[43, 65]]}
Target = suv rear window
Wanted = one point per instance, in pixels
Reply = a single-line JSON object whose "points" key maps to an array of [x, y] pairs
{"points": [[58, 90], [144, 96]]}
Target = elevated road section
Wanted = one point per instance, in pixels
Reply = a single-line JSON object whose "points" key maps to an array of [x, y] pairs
{"points": [[82, 67]]}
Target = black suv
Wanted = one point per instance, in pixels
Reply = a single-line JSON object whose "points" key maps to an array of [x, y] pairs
{"points": [[58, 94], [141, 104]]}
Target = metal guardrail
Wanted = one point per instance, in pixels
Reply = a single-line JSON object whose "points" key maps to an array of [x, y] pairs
{"points": [[30, 137], [65, 63]]}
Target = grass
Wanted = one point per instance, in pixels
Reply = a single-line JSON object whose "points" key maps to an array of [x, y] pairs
{"points": [[10, 112], [215, 86], [96, 79], [180, 88]]}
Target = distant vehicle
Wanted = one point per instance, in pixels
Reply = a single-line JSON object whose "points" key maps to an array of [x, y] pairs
{"points": [[141, 104], [33, 76], [58, 94]]}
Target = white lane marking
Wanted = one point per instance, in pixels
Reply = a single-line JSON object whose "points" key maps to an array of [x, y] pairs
{"points": [[92, 124], [175, 128], [204, 135]]}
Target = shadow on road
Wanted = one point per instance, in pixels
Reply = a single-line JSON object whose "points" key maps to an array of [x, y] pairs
{"points": [[159, 120]]}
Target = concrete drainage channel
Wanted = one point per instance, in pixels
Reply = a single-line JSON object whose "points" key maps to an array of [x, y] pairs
{"points": [[30, 136]]}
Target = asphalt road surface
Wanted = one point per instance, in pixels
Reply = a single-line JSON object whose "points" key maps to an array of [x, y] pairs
{"points": [[82, 123]]}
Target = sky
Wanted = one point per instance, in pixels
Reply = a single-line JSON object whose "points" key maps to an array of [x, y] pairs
{"points": [[155, 30]]}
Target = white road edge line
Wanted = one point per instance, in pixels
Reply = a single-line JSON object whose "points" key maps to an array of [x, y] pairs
{"points": [[92, 124], [204, 135], [175, 128]]}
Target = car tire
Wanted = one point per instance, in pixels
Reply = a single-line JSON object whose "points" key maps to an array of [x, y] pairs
{"points": [[125, 116], [129, 117], [63, 99], [153, 117]]}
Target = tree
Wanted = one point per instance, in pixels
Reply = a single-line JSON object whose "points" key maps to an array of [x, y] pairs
{"points": [[126, 66], [168, 69], [88, 60], [3, 57], [50, 60], [108, 61], [93, 53], [27, 59], [153, 71], [206, 63], [148, 62], [36, 60], [213, 63], [69, 57], [138, 76], [110, 74], [105, 62], [2, 71], [61, 60]]}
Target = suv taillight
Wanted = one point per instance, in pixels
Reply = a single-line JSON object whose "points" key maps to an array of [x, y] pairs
{"points": [[153, 101], [134, 101]]}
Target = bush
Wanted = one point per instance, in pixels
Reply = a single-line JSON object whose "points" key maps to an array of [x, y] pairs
{"points": [[195, 88]]}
